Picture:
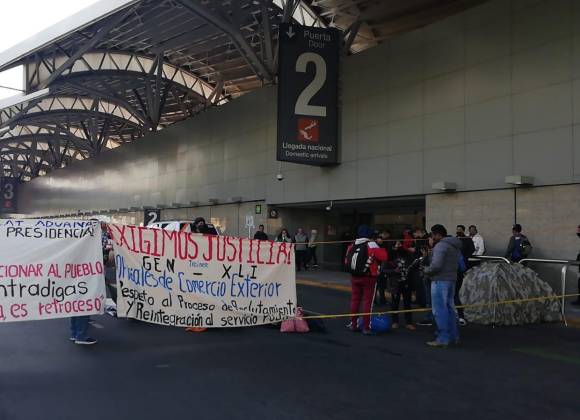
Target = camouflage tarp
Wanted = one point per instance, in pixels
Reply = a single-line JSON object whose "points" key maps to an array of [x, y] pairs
{"points": [[498, 281]]}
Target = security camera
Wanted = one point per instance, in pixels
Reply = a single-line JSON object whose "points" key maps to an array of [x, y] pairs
{"points": [[280, 177]]}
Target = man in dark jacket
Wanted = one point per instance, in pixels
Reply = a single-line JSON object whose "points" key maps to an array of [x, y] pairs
{"points": [[443, 272], [467, 250], [260, 234], [519, 246]]}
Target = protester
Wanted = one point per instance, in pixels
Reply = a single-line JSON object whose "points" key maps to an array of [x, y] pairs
{"points": [[519, 246], [443, 272], [312, 248], [467, 244], [478, 241], [363, 259], [577, 301], [301, 240], [382, 277], [400, 285], [408, 243], [415, 274], [200, 226], [79, 328], [426, 253], [467, 251], [284, 236], [260, 234], [79, 325]]}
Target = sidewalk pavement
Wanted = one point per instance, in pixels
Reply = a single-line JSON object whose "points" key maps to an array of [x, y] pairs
{"points": [[336, 280]]}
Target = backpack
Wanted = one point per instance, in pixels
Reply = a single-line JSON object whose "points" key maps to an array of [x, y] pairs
{"points": [[525, 247], [358, 260]]}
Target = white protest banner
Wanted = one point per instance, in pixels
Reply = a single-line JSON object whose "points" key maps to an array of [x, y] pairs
{"points": [[191, 280], [50, 269]]}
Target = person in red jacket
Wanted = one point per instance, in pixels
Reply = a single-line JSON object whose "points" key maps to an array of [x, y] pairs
{"points": [[363, 259]]}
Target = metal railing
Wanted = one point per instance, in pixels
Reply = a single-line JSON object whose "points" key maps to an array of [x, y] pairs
{"points": [[563, 271], [489, 257]]}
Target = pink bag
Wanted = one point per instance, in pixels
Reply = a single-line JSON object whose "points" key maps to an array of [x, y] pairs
{"points": [[297, 324]]}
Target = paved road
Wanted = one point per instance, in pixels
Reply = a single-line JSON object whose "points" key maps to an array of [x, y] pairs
{"points": [[141, 371]]}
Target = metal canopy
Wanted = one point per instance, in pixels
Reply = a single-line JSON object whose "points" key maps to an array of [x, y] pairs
{"points": [[122, 68]]}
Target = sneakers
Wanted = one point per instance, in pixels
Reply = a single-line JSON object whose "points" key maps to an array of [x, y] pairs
{"points": [[425, 322], [86, 341], [369, 332], [352, 328], [72, 338], [410, 327], [462, 322], [436, 344]]}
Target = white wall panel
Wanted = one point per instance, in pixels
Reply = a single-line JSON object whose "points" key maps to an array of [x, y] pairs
{"points": [[491, 92]]}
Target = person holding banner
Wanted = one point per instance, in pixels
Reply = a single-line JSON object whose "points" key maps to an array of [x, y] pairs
{"points": [[79, 328]]}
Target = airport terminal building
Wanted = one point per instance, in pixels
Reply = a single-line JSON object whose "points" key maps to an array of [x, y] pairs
{"points": [[452, 112]]}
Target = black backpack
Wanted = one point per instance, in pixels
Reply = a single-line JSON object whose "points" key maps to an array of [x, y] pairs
{"points": [[358, 260]]}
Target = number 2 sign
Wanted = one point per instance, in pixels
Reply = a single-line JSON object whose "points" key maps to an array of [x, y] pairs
{"points": [[308, 95]]}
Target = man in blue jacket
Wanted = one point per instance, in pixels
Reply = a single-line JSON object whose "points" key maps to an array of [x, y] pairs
{"points": [[443, 273]]}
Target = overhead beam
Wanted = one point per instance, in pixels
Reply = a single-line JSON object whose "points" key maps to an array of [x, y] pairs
{"points": [[235, 36], [289, 9], [267, 33], [109, 97], [79, 142], [351, 34], [91, 43], [50, 114]]}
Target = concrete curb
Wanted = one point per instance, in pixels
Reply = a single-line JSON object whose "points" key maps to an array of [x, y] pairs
{"points": [[323, 285]]}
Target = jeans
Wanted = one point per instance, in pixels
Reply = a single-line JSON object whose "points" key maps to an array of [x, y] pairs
{"points": [[427, 288], [442, 293], [79, 326], [363, 290]]}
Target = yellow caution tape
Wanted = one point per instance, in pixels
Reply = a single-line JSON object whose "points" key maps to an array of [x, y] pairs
{"points": [[475, 305]]}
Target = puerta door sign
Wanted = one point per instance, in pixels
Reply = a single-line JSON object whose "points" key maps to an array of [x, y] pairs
{"points": [[308, 95]]}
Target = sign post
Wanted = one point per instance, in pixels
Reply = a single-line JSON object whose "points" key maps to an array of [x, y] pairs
{"points": [[308, 95]]}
